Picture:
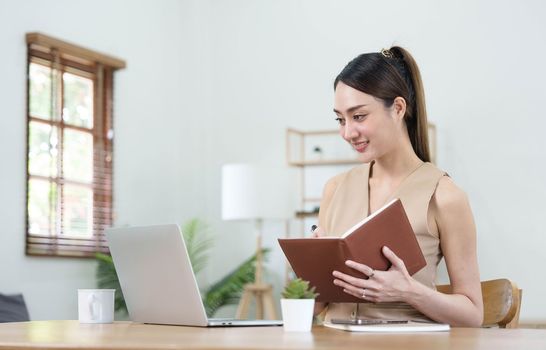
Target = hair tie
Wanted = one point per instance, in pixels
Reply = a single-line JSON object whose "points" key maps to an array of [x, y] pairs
{"points": [[387, 53]]}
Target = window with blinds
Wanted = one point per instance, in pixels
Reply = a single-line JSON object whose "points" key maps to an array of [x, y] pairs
{"points": [[70, 138]]}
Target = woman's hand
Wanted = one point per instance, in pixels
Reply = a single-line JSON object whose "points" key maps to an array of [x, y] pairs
{"points": [[392, 285], [317, 232]]}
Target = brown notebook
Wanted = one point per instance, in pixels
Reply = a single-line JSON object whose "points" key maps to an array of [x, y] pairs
{"points": [[314, 259]]}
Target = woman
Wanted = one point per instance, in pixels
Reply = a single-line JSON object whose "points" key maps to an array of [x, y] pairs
{"points": [[380, 107]]}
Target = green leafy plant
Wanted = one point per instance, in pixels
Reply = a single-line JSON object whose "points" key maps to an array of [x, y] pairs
{"points": [[299, 289], [107, 278], [224, 292], [194, 232], [227, 291]]}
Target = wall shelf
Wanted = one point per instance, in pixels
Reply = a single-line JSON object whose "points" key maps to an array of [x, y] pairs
{"points": [[318, 155], [317, 148], [324, 162]]}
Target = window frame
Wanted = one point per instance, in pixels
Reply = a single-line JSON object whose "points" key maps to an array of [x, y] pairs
{"points": [[65, 57]]}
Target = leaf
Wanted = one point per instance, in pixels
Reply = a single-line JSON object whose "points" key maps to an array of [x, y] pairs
{"points": [[299, 289], [107, 278], [228, 290], [196, 244]]}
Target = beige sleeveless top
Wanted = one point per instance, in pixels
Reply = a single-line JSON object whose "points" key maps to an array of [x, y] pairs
{"points": [[349, 205]]}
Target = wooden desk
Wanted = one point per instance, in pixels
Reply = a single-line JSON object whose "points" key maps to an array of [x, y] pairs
{"points": [[126, 335]]}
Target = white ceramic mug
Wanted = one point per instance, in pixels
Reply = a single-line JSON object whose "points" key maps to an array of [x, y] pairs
{"points": [[96, 305]]}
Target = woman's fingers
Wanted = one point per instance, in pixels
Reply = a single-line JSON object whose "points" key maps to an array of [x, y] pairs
{"points": [[394, 259], [380, 286], [347, 280], [365, 269], [364, 294], [347, 286], [351, 288], [317, 232]]}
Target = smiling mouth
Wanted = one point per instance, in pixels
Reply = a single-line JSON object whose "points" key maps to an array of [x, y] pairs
{"points": [[360, 146]]}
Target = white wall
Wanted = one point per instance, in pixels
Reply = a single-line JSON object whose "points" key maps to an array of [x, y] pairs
{"points": [[211, 82], [148, 128], [274, 63]]}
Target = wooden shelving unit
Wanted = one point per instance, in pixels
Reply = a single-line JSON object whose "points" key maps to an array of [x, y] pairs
{"points": [[299, 143], [323, 148], [314, 149], [318, 148]]}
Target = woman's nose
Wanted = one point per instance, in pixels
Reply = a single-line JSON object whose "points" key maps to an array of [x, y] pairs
{"points": [[349, 132]]}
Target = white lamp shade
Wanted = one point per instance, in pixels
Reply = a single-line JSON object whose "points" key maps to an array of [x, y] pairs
{"points": [[258, 192]]}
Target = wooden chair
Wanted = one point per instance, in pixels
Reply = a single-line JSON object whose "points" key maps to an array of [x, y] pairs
{"points": [[501, 302]]}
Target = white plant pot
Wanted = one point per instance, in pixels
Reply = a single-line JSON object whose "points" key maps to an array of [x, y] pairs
{"points": [[297, 314]]}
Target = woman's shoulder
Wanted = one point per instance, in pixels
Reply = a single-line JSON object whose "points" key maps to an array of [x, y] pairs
{"points": [[336, 180], [332, 186], [449, 196]]}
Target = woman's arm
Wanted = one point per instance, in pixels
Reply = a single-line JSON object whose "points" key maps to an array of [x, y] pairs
{"points": [[455, 223]]}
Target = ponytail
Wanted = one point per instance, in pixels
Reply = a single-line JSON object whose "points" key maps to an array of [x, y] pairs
{"points": [[416, 121]]}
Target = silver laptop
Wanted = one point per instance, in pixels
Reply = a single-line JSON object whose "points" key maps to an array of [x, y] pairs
{"points": [[157, 279]]}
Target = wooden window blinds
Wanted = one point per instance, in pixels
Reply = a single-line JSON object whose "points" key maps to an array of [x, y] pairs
{"points": [[69, 147]]}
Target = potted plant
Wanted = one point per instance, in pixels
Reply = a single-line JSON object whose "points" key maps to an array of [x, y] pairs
{"points": [[297, 304]]}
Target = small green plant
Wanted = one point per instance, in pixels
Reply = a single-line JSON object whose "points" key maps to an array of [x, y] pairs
{"points": [[299, 289]]}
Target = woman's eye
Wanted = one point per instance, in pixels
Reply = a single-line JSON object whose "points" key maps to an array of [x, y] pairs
{"points": [[340, 121], [359, 117]]}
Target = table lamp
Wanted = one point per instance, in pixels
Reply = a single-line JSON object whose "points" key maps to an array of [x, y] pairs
{"points": [[257, 193]]}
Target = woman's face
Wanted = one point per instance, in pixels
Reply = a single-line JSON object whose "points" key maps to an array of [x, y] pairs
{"points": [[365, 123]]}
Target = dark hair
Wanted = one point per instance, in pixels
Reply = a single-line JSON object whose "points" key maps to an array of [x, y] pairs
{"points": [[389, 74]]}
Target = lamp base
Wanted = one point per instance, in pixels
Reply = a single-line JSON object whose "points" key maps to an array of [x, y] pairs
{"points": [[263, 294]]}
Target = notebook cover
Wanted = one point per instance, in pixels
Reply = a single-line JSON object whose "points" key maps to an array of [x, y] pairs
{"points": [[314, 259]]}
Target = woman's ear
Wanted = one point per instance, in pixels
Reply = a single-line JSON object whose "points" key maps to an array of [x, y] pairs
{"points": [[399, 108]]}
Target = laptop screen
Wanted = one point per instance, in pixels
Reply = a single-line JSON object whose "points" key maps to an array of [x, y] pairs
{"points": [[156, 276]]}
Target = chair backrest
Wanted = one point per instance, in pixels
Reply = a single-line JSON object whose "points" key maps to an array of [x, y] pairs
{"points": [[501, 302], [13, 308]]}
